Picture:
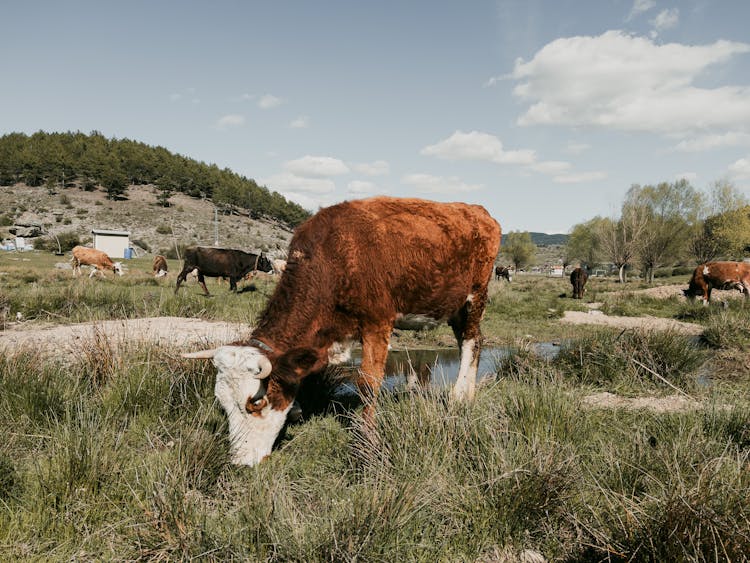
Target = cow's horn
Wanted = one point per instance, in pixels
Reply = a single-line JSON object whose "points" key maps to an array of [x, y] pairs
{"points": [[200, 355], [265, 368]]}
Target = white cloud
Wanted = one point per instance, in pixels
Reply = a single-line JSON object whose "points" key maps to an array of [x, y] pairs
{"points": [[231, 120], [708, 142], [740, 169], [375, 168], [290, 182], [269, 101], [550, 167], [316, 166], [689, 176], [580, 177], [640, 6], [666, 19], [427, 183], [577, 148], [175, 97], [476, 145], [359, 187], [621, 81], [302, 122]]}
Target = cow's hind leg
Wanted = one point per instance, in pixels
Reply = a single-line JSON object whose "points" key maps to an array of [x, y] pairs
{"points": [[202, 281], [465, 325], [374, 353]]}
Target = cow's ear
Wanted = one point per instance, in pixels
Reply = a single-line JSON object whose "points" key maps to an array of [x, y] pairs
{"points": [[299, 361]]}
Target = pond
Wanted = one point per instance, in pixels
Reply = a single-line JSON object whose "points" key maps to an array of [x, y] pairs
{"points": [[436, 367]]}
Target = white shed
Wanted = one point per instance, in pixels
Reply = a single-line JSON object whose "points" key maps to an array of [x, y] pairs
{"points": [[114, 243]]}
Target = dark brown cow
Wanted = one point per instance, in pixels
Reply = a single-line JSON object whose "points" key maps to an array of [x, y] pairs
{"points": [[160, 267], [718, 275], [503, 272], [578, 279], [221, 262], [352, 270]]}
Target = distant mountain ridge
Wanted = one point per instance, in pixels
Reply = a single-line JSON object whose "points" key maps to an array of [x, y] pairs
{"points": [[544, 239]]}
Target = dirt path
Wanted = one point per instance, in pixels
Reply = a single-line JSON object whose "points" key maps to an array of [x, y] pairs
{"points": [[595, 317], [173, 331]]}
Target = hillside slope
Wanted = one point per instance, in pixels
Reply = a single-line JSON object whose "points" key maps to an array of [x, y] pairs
{"points": [[187, 221]]}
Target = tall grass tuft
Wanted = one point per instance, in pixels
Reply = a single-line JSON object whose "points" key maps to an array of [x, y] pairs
{"points": [[632, 360], [729, 329]]}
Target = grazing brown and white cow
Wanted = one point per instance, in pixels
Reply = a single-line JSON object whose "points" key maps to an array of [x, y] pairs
{"points": [[353, 269], [279, 266], [98, 260], [718, 275], [578, 278], [160, 267], [503, 272]]}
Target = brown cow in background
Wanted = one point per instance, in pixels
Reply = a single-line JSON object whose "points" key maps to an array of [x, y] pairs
{"points": [[718, 275], [578, 279], [160, 266], [98, 260]]}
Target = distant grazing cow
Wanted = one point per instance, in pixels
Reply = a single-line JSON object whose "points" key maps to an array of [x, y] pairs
{"points": [[578, 279], [160, 266], [718, 275], [98, 260], [353, 269], [221, 262], [503, 272], [278, 266]]}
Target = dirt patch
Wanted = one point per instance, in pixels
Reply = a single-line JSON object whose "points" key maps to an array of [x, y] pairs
{"points": [[178, 332], [595, 317], [670, 403]]}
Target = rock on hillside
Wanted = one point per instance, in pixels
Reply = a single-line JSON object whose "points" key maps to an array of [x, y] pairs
{"points": [[187, 221]]}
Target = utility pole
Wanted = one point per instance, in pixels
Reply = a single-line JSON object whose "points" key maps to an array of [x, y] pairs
{"points": [[216, 226]]}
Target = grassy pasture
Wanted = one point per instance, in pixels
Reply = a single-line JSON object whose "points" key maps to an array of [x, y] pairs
{"points": [[128, 459]]}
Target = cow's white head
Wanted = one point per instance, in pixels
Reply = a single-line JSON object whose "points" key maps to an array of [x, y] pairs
{"points": [[117, 268], [241, 388]]}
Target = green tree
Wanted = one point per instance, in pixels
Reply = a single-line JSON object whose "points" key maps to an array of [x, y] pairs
{"points": [[670, 210], [113, 180], [729, 233], [518, 248], [724, 233], [583, 244]]}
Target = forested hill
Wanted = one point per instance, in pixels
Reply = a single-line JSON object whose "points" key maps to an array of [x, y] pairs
{"points": [[544, 239], [93, 160]]}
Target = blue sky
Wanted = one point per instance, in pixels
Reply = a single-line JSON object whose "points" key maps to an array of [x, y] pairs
{"points": [[545, 112]]}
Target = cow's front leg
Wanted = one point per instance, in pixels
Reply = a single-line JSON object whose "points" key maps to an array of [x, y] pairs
{"points": [[466, 328], [374, 353]]}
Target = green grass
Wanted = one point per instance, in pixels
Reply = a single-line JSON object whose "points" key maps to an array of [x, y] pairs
{"points": [[39, 291], [124, 455], [136, 466]]}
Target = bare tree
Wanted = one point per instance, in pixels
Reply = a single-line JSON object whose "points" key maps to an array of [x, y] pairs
{"points": [[619, 238]]}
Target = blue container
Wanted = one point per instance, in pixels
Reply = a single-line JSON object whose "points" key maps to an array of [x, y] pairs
{"points": [[128, 253]]}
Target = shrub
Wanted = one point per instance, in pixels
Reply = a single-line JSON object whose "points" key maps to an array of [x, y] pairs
{"points": [[67, 239], [142, 244], [164, 230]]}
